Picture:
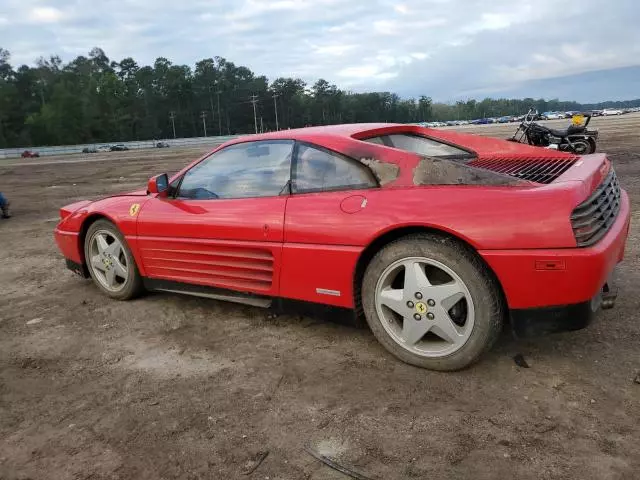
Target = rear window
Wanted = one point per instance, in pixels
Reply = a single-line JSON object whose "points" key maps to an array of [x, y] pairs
{"points": [[420, 145]]}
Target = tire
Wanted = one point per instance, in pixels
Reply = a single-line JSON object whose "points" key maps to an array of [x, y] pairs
{"points": [[581, 147], [593, 145], [122, 288], [484, 307]]}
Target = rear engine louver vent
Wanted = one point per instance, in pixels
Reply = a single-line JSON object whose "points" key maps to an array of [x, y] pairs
{"points": [[539, 170]]}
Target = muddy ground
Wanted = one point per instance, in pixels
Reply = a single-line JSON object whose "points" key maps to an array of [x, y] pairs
{"points": [[173, 387]]}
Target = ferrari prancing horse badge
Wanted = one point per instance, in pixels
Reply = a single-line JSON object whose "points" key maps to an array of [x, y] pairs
{"points": [[133, 210]]}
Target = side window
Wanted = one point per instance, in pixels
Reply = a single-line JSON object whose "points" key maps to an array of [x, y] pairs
{"points": [[244, 170], [317, 170], [420, 145]]}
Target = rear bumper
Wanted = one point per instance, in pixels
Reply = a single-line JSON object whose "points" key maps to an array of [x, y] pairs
{"points": [[561, 282], [532, 322]]}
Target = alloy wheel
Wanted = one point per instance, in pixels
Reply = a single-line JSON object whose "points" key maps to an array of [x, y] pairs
{"points": [[424, 306]]}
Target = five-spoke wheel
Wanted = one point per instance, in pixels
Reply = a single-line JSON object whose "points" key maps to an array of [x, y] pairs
{"points": [[110, 262], [432, 302], [425, 306]]}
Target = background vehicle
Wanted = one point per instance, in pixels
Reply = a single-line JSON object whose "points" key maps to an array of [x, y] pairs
{"points": [[611, 111], [104, 148], [575, 138], [89, 150], [162, 145], [119, 148], [336, 216], [30, 154], [552, 116]]}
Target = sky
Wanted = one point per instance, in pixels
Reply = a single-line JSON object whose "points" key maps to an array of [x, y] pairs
{"points": [[446, 49]]}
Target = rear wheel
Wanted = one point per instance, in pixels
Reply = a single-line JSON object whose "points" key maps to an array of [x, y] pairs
{"points": [[592, 145], [110, 262], [581, 147], [431, 302]]}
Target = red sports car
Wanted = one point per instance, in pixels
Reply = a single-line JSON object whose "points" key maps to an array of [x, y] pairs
{"points": [[30, 154], [436, 238]]}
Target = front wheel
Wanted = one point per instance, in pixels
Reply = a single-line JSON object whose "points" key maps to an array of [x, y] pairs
{"points": [[110, 261], [431, 302]]}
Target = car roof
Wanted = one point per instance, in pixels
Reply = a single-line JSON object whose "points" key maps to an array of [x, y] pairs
{"points": [[339, 136], [347, 139], [342, 130]]}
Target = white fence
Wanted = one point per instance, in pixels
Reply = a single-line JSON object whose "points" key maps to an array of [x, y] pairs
{"points": [[69, 149]]}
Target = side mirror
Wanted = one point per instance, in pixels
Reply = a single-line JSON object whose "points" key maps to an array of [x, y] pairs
{"points": [[158, 184]]}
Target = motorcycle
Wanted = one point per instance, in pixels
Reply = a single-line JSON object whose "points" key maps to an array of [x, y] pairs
{"points": [[574, 139]]}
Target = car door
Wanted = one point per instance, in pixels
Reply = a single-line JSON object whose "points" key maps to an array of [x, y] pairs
{"points": [[223, 225], [327, 209]]}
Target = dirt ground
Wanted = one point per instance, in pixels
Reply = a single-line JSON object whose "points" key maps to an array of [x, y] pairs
{"points": [[175, 387]]}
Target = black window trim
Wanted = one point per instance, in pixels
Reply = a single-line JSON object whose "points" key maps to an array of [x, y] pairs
{"points": [[286, 190], [294, 164], [469, 153]]}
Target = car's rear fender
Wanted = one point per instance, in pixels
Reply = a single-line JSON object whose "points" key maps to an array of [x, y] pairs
{"points": [[394, 234]]}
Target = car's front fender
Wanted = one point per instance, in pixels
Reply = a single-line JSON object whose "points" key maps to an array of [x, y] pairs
{"points": [[122, 211]]}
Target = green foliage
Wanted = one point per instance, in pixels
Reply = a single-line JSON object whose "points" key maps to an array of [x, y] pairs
{"points": [[93, 99]]}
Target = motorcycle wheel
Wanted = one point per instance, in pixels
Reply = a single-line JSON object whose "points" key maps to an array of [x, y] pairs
{"points": [[592, 144], [581, 147]]}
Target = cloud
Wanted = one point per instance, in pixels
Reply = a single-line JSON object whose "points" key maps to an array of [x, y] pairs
{"points": [[401, 9], [45, 15], [332, 49], [443, 48]]}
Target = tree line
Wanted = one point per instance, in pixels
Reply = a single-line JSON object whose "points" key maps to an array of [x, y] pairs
{"points": [[93, 99]]}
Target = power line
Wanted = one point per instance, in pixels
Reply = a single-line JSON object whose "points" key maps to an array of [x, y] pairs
{"points": [[254, 100]]}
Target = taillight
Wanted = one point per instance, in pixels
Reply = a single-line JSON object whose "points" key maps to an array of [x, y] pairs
{"points": [[592, 219]]}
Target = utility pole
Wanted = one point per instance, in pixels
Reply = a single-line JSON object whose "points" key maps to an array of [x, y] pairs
{"points": [[261, 126], [275, 107], [219, 116], [204, 122], [172, 116], [213, 113], [254, 100]]}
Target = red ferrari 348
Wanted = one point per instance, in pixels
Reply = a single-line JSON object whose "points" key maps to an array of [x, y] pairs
{"points": [[436, 238]]}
